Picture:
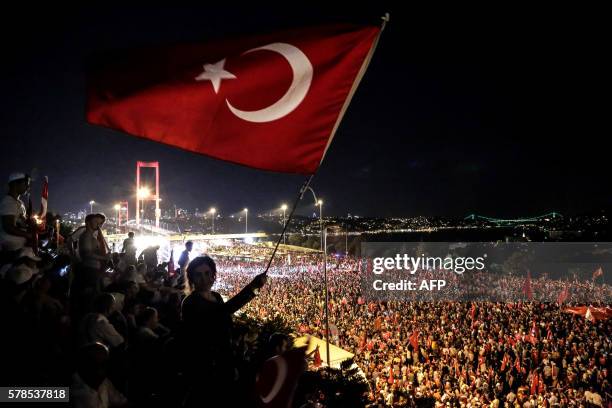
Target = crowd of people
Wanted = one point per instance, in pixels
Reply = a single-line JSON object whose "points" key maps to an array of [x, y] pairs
{"points": [[452, 353], [123, 328], [119, 329]]}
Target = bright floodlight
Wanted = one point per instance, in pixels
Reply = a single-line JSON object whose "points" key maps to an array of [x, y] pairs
{"points": [[284, 207], [143, 193], [246, 210], [117, 207], [213, 210], [320, 202], [92, 202]]}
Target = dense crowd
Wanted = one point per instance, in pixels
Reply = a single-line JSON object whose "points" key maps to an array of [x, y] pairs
{"points": [[119, 327], [453, 353]]}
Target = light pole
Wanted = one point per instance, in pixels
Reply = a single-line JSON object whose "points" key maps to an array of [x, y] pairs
{"points": [[326, 288], [284, 208], [320, 204], [345, 240], [326, 292], [213, 211], [91, 203], [246, 220]]}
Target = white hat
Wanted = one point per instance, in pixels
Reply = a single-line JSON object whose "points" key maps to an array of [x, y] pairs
{"points": [[27, 252], [19, 274], [16, 176]]}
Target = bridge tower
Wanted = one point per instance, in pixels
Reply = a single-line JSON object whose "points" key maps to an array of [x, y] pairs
{"points": [[144, 194]]}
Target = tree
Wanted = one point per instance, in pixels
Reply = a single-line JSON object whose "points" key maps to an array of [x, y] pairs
{"points": [[333, 387]]}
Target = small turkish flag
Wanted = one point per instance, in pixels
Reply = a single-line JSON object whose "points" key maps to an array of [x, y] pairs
{"points": [[271, 102], [598, 272], [563, 295], [317, 358], [277, 380], [414, 340]]}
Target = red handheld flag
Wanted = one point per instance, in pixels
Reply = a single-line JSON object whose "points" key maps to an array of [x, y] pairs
{"points": [[271, 101], [414, 340], [598, 272], [276, 382], [44, 197], [534, 384], [317, 358], [171, 263], [563, 295]]}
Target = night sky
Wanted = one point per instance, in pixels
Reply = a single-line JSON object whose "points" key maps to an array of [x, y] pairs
{"points": [[456, 114]]}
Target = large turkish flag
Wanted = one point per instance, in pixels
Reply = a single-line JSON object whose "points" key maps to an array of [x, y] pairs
{"points": [[270, 101]]}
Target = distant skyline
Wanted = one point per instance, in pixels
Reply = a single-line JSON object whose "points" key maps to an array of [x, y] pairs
{"points": [[453, 117]]}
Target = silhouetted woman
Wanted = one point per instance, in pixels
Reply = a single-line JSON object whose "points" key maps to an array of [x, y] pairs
{"points": [[207, 334]]}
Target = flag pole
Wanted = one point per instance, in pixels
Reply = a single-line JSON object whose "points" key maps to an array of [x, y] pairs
{"points": [[295, 204]]}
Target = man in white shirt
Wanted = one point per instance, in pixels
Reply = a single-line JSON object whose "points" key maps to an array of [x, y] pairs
{"points": [[13, 226], [95, 326], [90, 388]]}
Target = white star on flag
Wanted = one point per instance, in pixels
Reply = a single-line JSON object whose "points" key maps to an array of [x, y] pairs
{"points": [[215, 73]]}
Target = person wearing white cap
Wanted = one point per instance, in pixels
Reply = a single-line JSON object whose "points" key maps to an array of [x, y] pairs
{"points": [[13, 227], [24, 268]]}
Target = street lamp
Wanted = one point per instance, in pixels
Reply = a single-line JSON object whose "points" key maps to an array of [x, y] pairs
{"points": [[284, 208], [212, 211], [320, 204], [246, 220], [91, 203], [327, 334]]}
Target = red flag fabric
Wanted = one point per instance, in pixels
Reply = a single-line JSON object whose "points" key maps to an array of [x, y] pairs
{"points": [[391, 379], [171, 263], [535, 330], [541, 385], [414, 340], [563, 295], [378, 323], [317, 358], [270, 101], [590, 312], [598, 272], [363, 341], [44, 197], [534, 384], [531, 339], [527, 289], [276, 382], [504, 362]]}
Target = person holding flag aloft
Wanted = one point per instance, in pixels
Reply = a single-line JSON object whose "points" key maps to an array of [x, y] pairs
{"points": [[206, 334]]}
